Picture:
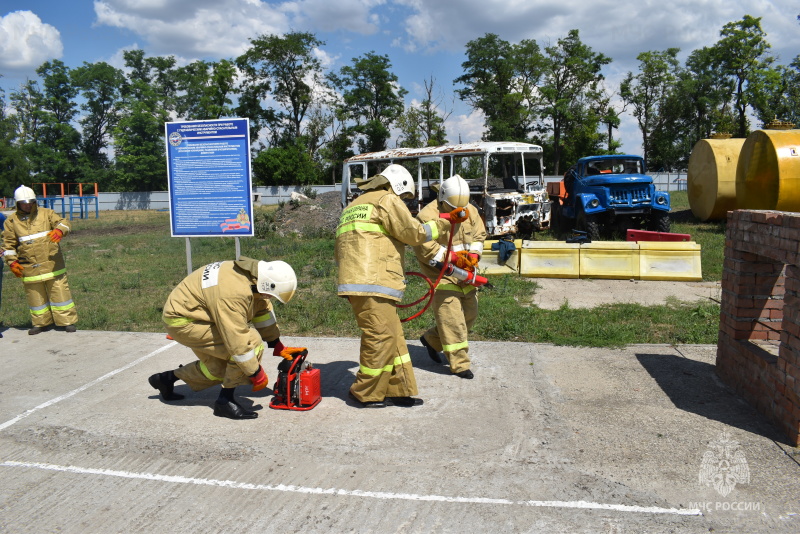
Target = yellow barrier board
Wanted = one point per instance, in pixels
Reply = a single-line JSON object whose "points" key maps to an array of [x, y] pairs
{"points": [[490, 264], [670, 261], [609, 259], [645, 260], [550, 259]]}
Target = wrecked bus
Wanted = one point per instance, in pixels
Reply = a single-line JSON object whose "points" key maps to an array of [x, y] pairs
{"points": [[506, 180]]}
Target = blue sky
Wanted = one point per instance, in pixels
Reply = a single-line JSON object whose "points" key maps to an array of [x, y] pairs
{"points": [[422, 38]]}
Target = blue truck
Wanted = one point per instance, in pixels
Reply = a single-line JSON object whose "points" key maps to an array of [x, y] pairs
{"points": [[606, 196]]}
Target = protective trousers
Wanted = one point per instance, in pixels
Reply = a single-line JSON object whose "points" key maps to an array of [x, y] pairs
{"points": [[214, 366], [455, 313], [385, 368], [50, 301]]}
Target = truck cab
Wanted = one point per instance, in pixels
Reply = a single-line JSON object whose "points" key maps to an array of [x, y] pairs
{"points": [[608, 195]]}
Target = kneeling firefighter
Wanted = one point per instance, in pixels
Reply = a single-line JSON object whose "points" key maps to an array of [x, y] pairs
{"points": [[223, 312], [455, 301], [370, 244]]}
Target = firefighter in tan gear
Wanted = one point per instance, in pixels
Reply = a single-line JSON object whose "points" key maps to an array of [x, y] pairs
{"points": [[455, 303], [370, 244], [223, 313], [31, 238]]}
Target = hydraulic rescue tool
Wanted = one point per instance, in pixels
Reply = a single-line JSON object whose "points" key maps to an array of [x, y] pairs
{"points": [[456, 216], [297, 386], [472, 279]]}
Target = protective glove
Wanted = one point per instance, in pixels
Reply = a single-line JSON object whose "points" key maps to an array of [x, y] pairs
{"points": [[462, 260], [55, 235], [459, 215], [259, 379], [470, 260], [287, 353], [16, 268]]}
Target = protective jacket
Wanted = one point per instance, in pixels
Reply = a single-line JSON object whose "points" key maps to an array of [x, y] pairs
{"points": [[25, 239], [468, 236], [221, 294], [370, 244]]}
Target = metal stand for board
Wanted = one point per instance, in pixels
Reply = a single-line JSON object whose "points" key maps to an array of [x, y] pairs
{"points": [[189, 253]]}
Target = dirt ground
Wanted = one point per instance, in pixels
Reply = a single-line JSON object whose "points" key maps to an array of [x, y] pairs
{"points": [[583, 293]]}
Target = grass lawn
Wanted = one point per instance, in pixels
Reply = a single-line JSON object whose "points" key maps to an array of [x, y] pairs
{"points": [[122, 266]]}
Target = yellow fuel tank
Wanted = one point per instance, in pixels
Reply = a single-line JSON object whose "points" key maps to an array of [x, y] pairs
{"points": [[768, 174], [711, 178]]}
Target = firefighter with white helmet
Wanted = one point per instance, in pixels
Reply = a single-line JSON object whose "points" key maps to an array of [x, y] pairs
{"points": [[32, 250], [455, 303], [370, 245], [223, 312]]}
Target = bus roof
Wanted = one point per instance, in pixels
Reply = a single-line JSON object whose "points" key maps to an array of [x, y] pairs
{"points": [[464, 149]]}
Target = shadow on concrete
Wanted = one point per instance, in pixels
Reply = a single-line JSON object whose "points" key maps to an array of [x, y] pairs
{"points": [[694, 387]]}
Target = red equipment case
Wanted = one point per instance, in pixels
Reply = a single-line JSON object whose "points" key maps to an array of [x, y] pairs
{"points": [[646, 235]]}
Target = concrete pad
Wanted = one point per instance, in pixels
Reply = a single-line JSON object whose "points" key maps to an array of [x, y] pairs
{"points": [[545, 438]]}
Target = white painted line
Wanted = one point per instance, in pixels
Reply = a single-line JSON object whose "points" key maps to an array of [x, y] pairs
{"points": [[352, 493], [83, 387]]}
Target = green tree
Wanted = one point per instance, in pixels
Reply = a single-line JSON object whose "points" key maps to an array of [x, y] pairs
{"points": [[148, 97], [13, 167], [285, 165], [492, 74], [371, 98], [423, 124], [286, 68], [646, 92], [742, 54], [571, 74], [47, 138], [99, 84], [204, 90]]}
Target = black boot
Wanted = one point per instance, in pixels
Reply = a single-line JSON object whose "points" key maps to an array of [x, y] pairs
{"points": [[432, 353], [405, 402], [232, 410], [226, 406], [164, 382]]}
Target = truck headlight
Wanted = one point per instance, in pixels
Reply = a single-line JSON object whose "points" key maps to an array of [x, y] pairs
{"points": [[661, 199], [594, 203]]}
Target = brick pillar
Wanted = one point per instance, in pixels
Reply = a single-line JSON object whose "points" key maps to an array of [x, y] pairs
{"points": [[761, 304]]}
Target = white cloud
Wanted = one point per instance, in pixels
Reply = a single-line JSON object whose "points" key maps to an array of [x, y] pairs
{"points": [[465, 128], [326, 15], [26, 42], [202, 28]]}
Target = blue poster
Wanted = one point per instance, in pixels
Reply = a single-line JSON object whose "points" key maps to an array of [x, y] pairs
{"points": [[208, 170]]}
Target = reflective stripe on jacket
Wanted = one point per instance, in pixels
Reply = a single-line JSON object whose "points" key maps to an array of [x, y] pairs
{"points": [[25, 239], [370, 244]]}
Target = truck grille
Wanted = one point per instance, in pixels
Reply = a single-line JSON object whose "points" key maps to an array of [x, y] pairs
{"points": [[629, 196]]}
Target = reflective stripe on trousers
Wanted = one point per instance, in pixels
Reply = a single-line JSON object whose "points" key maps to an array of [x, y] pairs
{"points": [[400, 360]]}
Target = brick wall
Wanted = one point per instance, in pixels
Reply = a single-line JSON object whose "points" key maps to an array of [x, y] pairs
{"points": [[760, 311]]}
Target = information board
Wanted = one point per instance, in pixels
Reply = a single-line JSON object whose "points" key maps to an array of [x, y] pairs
{"points": [[208, 170]]}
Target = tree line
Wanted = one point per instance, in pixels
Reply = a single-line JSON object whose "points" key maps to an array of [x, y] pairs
{"points": [[100, 124]]}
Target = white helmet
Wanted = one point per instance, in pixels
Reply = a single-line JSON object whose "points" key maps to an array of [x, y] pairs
{"points": [[454, 192], [276, 278], [24, 194], [401, 180]]}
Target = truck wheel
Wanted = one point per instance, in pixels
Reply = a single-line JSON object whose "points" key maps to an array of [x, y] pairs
{"points": [[660, 222], [589, 224]]}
